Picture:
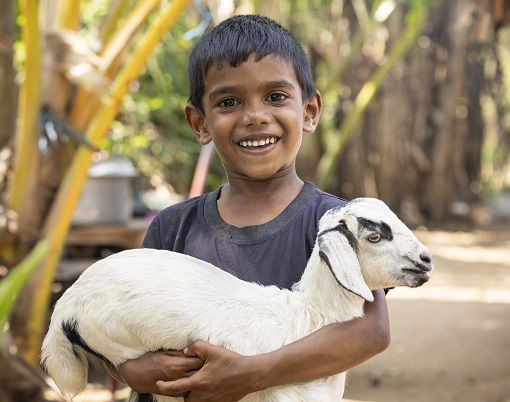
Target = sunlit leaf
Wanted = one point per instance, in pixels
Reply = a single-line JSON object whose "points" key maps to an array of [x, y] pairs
{"points": [[12, 284]]}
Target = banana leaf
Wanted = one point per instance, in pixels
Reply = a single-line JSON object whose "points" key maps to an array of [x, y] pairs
{"points": [[12, 284]]}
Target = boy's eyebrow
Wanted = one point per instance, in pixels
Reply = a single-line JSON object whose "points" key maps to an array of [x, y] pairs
{"points": [[269, 84], [221, 90], [280, 84]]}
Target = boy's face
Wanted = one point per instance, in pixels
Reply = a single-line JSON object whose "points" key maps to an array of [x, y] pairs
{"points": [[255, 116]]}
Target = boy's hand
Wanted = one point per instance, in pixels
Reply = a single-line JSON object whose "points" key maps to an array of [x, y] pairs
{"points": [[141, 374], [225, 376]]}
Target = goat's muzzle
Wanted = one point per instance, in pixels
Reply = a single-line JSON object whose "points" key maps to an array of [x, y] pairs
{"points": [[419, 270]]}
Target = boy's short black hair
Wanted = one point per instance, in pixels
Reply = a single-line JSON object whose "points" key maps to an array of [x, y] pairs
{"points": [[234, 40]]}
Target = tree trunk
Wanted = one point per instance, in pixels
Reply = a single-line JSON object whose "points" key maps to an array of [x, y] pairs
{"points": [[446, 147], [8, 87]]}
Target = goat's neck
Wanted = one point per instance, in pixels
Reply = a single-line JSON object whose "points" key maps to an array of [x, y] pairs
{"points": [[329, 300]]}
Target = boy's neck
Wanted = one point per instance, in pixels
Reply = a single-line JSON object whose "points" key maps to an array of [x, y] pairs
{"points": [[245, 203]]}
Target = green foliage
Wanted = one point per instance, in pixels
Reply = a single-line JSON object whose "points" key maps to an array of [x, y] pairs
{"points": [[12, 284], [93, 11]]}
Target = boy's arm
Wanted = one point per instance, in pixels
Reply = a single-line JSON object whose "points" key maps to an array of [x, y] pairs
{"points": [[227, 376]]}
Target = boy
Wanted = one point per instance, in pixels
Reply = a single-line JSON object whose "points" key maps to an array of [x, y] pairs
{"points": [[252, 94]]}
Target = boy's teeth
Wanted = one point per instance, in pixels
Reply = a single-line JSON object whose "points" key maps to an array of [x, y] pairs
{"points": [[258, 143]]}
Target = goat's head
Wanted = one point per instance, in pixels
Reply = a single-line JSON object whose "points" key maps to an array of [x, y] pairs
{"points": [[368, 247]]}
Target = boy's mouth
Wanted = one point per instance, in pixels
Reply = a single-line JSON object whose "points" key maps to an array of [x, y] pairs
{"points": [[258, 142]]}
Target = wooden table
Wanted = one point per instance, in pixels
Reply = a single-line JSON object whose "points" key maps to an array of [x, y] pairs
{"points": [[123, 235]]}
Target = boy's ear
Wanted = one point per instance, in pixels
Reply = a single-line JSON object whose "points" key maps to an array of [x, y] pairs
{"points": [[312, 112], [196, 121]]}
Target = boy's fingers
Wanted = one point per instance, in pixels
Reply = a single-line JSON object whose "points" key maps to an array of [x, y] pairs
{"points": [[200, 349], [178, 366], [173, 388], [173, 352]]}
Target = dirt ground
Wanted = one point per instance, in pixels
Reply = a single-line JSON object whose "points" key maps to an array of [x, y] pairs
{"points": [[450, 338]]}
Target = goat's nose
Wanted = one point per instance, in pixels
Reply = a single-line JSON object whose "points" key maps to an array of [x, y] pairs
{"points": [[426, 257]]}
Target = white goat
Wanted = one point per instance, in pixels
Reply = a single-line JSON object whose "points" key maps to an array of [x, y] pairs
{"points": [[139, 300]]}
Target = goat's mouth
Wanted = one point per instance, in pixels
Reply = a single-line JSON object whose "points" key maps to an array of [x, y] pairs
{"points": [[419, 276], [418, 272]]}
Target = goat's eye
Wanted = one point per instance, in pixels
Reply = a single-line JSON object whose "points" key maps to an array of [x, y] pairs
{"points": [[375, 238]]}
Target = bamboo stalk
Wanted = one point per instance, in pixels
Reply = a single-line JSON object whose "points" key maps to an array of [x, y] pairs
{"points": [[336, 146], [109, 23], [86, 104], [123, 37], [367, 28], [26, 156], [59, 218], [68, 16], [28, 108]]}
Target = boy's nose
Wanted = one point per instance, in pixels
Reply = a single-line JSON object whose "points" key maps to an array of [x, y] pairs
{"points": [[255, 115]]}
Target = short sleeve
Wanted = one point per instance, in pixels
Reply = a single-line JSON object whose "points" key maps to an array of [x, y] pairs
{"points": [[152, 238]]}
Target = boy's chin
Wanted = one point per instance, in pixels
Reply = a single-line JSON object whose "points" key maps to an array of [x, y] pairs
{"points": [[266, 175]]}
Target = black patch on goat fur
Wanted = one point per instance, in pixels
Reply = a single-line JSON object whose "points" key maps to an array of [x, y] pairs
{"points": [[134, 397], [70, 329], [325, 258], [342, 228], [382, 228]]}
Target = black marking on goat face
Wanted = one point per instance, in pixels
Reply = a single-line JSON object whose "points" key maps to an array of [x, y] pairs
{"points": [[70, 329], [382, 228], [342, 228]]}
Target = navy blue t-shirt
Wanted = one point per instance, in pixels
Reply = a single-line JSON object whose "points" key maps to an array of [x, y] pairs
{"points": [[274, 253]]}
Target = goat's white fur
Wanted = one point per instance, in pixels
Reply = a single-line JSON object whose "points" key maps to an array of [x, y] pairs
{"points": [[147, 300]]}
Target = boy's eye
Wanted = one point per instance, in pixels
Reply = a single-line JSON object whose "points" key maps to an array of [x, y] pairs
{"points": [[228, 102], [277, 97]]}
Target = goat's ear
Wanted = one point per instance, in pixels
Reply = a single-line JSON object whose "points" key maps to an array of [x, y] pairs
{"points": [[336, 251]]}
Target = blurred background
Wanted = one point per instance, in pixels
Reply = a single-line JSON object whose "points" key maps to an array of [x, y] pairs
{"points": [[93, 142]]}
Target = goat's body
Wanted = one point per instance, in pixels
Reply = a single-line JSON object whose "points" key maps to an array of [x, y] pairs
{"points": [[195, 312], [199, 293], [146, 300]]}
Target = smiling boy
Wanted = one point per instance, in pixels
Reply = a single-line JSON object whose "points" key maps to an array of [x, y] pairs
{"points": [[252, 94]]}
